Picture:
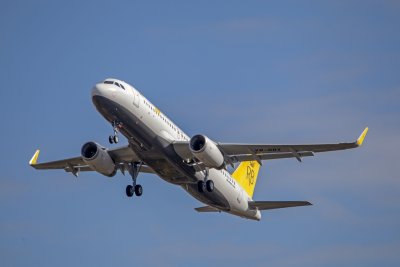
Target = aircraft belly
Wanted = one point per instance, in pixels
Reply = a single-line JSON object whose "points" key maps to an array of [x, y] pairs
{"points": [[157, 153], [216, 198], [152, 149]]}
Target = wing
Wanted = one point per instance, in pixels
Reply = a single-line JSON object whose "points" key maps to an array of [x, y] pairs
{"points": [[234, 153], [269, 205], [75, 165]]}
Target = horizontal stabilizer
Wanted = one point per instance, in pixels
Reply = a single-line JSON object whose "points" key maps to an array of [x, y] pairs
{"points": [[269, 205], [207, 209]]}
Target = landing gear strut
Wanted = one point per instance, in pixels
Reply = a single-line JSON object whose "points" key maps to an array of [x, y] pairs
{"points": [[134, 189], [114, 138]]}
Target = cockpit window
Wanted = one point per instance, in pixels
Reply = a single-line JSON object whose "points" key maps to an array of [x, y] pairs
{"points": [[115, 83], [119, 85]]}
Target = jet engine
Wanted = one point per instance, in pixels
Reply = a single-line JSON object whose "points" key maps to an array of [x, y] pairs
{"points": [[206, 151], [98, 159]]}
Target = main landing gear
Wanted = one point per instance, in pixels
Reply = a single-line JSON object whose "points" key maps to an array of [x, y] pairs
{"points": [[207, 185], [114, 138], [134, 189]]}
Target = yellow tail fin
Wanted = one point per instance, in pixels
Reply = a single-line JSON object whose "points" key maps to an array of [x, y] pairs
{"points": [[246, 175]]}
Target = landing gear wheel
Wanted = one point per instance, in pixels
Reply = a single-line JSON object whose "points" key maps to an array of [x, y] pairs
{"points": [[111, 139], [200, 186], [129, 191], [210, 186], [115, 139], [138, 190]]}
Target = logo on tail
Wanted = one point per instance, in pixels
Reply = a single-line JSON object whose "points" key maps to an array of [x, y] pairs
{"points": [[246, 175], [250, 174]]}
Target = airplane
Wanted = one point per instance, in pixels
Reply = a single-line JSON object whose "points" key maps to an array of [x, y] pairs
{"points": [[198, 164]]}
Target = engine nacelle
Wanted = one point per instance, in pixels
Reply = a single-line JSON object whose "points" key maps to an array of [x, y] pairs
{"points": [[206, 151], [98, 159]]}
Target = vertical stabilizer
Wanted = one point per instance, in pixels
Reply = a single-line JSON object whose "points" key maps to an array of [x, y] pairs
{"points": [[246, 175]]}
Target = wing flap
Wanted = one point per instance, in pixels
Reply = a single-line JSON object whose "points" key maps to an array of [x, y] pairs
{"points": [[268, 205], [250, 157]]}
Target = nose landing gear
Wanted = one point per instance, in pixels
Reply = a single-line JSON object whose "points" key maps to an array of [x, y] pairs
{"points": [[114, 138]]}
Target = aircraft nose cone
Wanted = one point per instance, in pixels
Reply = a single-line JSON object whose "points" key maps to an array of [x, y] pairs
{"points": [[98, 90]]}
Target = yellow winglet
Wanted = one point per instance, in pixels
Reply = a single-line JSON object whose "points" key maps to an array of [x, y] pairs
{"points": [[360, 139], [34, 158]]}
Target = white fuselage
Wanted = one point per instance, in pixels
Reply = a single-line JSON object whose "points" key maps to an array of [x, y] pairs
{"points": [[142, 123]]}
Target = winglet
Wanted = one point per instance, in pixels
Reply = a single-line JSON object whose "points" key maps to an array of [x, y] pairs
{"points": [[360, 139], [34, 158]]}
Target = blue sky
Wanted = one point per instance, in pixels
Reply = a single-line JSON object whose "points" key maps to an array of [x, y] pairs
{"points": [[237, 71]]}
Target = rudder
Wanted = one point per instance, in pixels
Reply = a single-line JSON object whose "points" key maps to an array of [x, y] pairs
{"points": [[246, 175]]}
